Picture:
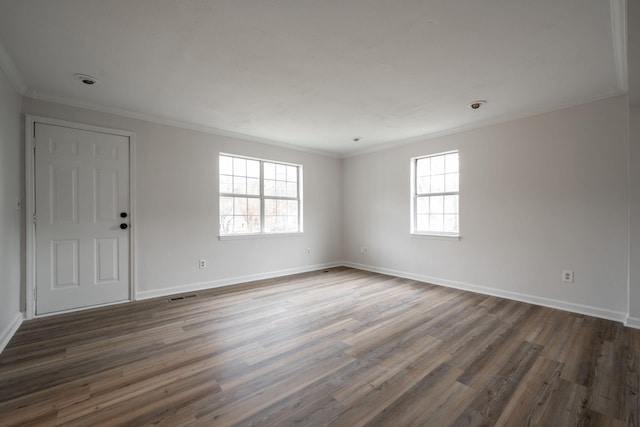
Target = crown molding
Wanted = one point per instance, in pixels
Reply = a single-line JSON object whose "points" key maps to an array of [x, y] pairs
{"points": [[339, 155], [9, 68], [176, 123], [505, 118]]}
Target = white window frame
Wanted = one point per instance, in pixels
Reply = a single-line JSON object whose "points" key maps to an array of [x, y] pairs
{"points": [[262, 197], [415, 195]]}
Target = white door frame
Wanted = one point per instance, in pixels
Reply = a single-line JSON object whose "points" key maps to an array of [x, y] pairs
{"points": [[29, 156]]}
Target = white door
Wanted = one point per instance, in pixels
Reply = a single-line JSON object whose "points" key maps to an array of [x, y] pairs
{"points": [[82, 201]]}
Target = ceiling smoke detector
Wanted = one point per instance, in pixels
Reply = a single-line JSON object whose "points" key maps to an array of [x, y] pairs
{"points": [[86, 79], [476, 104]]}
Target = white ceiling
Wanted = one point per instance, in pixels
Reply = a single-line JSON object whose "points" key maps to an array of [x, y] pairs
{"points": [[317, 73]]}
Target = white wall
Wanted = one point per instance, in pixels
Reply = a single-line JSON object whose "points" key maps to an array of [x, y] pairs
{"points": [[10, 216], [177, 207], [634, 216], [538, 195], [633, 60]]}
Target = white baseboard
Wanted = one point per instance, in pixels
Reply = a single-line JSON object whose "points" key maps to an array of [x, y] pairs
{"points": [[531, 299], [516, 296], [191, 287], [632, 322], [10, 330]]}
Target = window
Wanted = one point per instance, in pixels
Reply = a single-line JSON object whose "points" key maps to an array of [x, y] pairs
{"points": [[259, 196], [435, 194]]}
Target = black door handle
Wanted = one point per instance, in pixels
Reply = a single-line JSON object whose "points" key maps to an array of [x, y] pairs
{"points": [[124, 226], [123, 214]]}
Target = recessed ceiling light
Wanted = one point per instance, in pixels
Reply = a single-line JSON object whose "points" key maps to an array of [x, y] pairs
{"points": [[477, 104], [86, 79]]}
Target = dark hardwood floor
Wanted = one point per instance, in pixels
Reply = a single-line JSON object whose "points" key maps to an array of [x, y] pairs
{"points": [[341, 348]]}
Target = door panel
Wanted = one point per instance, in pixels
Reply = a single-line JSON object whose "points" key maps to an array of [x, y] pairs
{"points": [[64, 263], [106, 189], [64, 194], [82, 186], [106, 262]]}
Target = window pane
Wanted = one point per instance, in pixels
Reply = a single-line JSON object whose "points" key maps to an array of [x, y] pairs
{"points": [[451, 182], [226, 224], [293, 208], [422, 223], [437, 165], [269, 207], [281, 188], [254, 207], [292, 174], [451, 162], [269, 187], [226, 206], [450, 223], [238, 224], [451, 204], [423, 167], [436, 204], [436, 222], [239, 206], [292, 189], [292, 223], [422, 205], [269, 223], [253, 186], [269, 170], [281, 172], [226, 165], [226, 184], [253, 169], [253, 225], [424, 184], [239, 185], [437, 183], [226, 214], [239, 166]]}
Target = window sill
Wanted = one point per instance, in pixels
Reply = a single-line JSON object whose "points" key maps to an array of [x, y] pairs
{"points": [[435, 236], [257, 236]]}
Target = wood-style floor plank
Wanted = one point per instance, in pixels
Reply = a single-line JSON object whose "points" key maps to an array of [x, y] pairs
{"points": [[338, 347]]}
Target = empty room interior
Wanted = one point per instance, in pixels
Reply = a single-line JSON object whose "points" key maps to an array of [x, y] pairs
{"points": [[302, 212]]}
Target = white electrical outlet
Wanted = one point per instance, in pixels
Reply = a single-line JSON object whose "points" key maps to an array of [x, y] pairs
{"points": [[364, 249], [567, 276], [202, 263]]}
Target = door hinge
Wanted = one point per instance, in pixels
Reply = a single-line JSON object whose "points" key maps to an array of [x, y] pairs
{"points": [[35, 217], [34, 143]]}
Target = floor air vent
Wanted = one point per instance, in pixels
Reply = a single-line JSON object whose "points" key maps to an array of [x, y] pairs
{"points": [[182, 297]]}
